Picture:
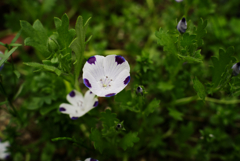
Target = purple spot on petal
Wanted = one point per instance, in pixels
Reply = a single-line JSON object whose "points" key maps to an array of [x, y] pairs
{"points": [[119, 59], [86, 82], [62, 109], [7, 157], [93, 159], [110, 94], [72, 94], [90, 92], [91, 60], [95, 104], [127, 80], [74, 118]]}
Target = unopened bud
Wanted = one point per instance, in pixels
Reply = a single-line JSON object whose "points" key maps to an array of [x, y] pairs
{"points": [[139, 90], [236, 69], [182, 25], [52, 45]]}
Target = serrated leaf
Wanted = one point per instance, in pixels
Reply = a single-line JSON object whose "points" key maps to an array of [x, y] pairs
{"points": [[201, 31], [128, 140], [78, 45], [153, 105], [37, 36], [187, 40], [219, 65], [175, 114], [108, 120], [97, 138], [64, 34], [165, 40], [199, 88]]}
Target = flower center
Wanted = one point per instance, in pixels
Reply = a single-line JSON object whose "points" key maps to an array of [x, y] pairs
{"points": [[106, 82], [80, 105]]}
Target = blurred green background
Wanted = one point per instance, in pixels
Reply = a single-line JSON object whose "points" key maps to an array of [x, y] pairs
{"points": [[192, 130]]}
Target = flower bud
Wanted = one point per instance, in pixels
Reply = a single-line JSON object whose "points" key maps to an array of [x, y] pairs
{"points": [[52, 45], [118, 126], [139, 90], [182, 25], [236, 69]]}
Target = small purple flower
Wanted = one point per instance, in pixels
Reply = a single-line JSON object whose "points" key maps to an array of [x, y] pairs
{"points": [[182, 25], [3, 149], [107, 76], [79, 105]]}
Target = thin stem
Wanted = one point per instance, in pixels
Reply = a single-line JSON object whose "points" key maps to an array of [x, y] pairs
{"points": [[208, 99], [13, 68]]}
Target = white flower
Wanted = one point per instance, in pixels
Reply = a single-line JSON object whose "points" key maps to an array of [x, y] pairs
{"points": [[236, 69], [3, 149], [79, 105], [182, 25], [106, 76], [178, 0]]}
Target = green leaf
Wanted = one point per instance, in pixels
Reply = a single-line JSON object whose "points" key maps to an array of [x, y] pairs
{"points": [[64, 35], [175, 114], [220, 64], [2, 44], [7, 55], [187, 40], [128, 140], [44, 66], [199, 88], [37, 36], [99, 142], [165, 40], [16, 37], [46, 109], [108, 120], [152, 106], [17, 73], [78, 44], [3, 103], [201, 31]]}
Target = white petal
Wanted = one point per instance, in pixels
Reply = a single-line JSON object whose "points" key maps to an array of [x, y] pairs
{"points": [[71, 110], [89, 100], [94, 66], [114, 65], [120, 82], [75, 97], [3, 149], [92, 83]]}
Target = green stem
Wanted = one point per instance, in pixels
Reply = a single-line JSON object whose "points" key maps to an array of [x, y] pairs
{"points": [[13, 68], [208, 99]]}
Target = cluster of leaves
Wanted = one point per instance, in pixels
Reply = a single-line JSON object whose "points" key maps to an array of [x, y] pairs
{"points": [[190, 74]]}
